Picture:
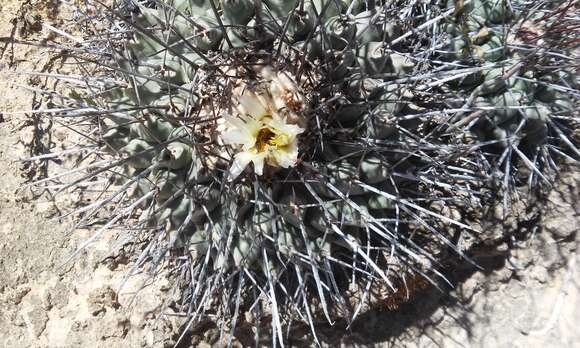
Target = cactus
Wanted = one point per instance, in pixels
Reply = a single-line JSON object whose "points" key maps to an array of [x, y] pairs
{"points": [[289, 149], [516, 113]]}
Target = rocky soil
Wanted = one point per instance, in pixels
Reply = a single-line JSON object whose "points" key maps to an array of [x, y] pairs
{"points": [[526, 296]]}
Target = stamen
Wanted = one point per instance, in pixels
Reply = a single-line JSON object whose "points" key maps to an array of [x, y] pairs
{"points": [[264, 137]]}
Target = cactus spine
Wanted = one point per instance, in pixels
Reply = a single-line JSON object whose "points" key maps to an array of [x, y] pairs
{"points": [[295, 150]]}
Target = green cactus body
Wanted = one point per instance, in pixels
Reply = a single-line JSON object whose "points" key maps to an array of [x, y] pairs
{"points": [[278, 137]]}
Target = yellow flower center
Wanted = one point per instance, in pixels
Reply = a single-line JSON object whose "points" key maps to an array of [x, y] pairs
{"points": [[268, 136], [265, 137]]}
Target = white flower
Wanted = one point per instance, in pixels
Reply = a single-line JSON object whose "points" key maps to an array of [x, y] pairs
{"points": [[284, 92], [263, 136]]}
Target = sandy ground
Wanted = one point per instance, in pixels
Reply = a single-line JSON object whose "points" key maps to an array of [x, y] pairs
{"points": [[526, 297], [44, 303]]}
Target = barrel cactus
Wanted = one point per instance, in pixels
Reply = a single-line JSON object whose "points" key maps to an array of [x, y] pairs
{"points": [[294, 152], [514, 98]]}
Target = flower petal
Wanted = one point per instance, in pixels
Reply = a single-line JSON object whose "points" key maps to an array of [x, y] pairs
{"points": [[259, 163], [286, 157], [267, 112], [241, 161], [281, 126], [238, 136], [251, 105]]}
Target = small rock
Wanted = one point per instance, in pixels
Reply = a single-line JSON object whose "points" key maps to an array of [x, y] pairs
{"points": [[60, 134], [17, 319], [559, 228], [59, 295], [27, 135], [438, 315], [46, 209], [516, 264], [31, 23], [78, 326], [492, 286], [101, 299], [165, 285], [115, 326], [148, 339], [18, 294], [46, 300], [210, 335], [34, 80], [249, 316], [169, 344], [540, 274], [195, 340], [36, 319], [113, 263], [237, 344], [469, 288]]}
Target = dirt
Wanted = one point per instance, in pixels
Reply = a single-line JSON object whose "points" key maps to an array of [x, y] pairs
{"points": [[526, 296], [45, 302]]}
